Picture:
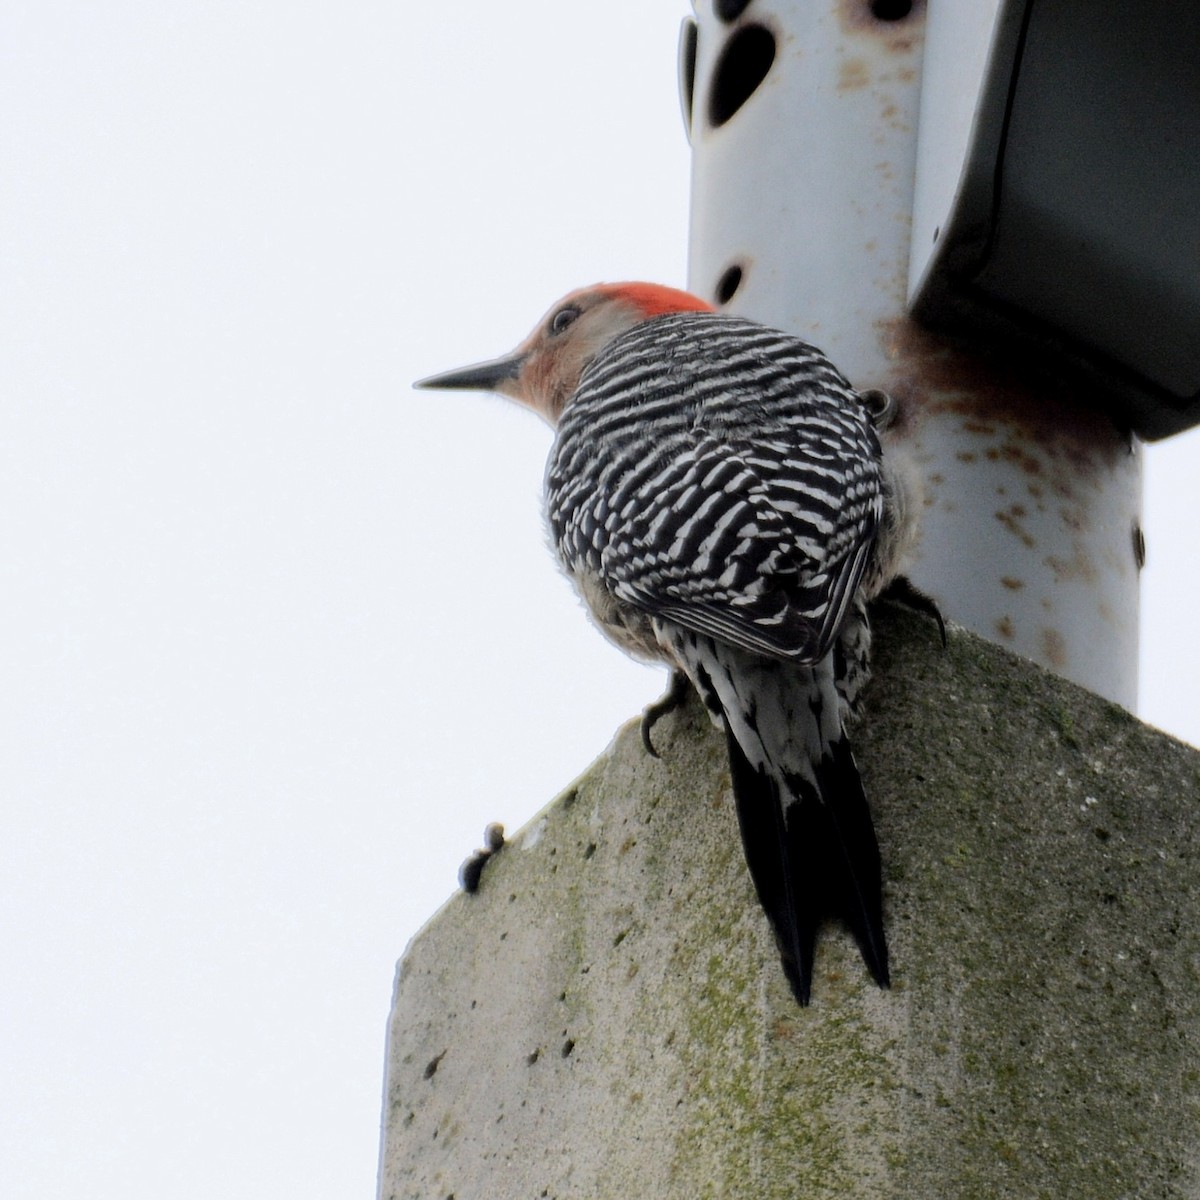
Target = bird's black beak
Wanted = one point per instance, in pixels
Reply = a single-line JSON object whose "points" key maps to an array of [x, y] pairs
{"points": [[485, 376]]}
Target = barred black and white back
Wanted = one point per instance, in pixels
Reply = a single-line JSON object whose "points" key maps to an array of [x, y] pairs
{"points": [[715, 492], [714, 470]]}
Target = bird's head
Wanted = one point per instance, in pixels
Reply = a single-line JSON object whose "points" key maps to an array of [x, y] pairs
{"points": [[544, 370]]}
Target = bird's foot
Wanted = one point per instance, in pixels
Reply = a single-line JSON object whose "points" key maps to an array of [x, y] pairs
{"points": [[902, 591], [669, 701], [471, 871]]}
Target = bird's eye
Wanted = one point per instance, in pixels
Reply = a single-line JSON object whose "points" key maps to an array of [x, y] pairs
{"points": [[564, 318]]}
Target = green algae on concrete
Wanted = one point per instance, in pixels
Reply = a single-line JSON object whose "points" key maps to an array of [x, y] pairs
{"points": [[606, 1017]]}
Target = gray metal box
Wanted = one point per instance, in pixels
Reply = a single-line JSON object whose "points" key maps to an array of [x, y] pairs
{"points": [[1057, 199]]}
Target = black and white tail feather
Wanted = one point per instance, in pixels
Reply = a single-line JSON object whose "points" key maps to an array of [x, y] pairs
{"points": [[805, 823]]}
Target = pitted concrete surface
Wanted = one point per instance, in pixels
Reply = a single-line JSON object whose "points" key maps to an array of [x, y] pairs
{"points": [[606, 1016]]}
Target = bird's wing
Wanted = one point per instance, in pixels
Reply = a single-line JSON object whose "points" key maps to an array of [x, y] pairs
{"points": [[758, 542]]}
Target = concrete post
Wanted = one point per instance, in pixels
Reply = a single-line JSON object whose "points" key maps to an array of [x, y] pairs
{"points": [[606, 1017]]}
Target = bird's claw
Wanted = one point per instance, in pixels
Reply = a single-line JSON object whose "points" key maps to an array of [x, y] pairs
{"points": [[470, 873], [669, 701], [902, 591]]}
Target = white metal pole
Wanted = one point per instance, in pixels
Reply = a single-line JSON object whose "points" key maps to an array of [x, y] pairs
{"points": [[804, 122]]}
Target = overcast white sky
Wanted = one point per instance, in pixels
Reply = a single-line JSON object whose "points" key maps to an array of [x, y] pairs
{"points": [[280, 635]]}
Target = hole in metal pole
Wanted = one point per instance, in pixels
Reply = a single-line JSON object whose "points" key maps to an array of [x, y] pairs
{"points": [[743, 65], [728, 284], [730, 10], [689, 36], [890, 10]]}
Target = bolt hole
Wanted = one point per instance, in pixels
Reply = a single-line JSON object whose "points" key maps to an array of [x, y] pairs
{"points": [[890, 10], [730, 10], [880, 406], [728, 284], [743, 65]]}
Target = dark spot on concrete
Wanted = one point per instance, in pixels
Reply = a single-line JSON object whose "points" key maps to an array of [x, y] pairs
{"points": [[568, 1047], [432, 1066]]}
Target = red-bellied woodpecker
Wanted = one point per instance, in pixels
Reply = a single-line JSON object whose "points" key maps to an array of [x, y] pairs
{"points": [[717, 493]]}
